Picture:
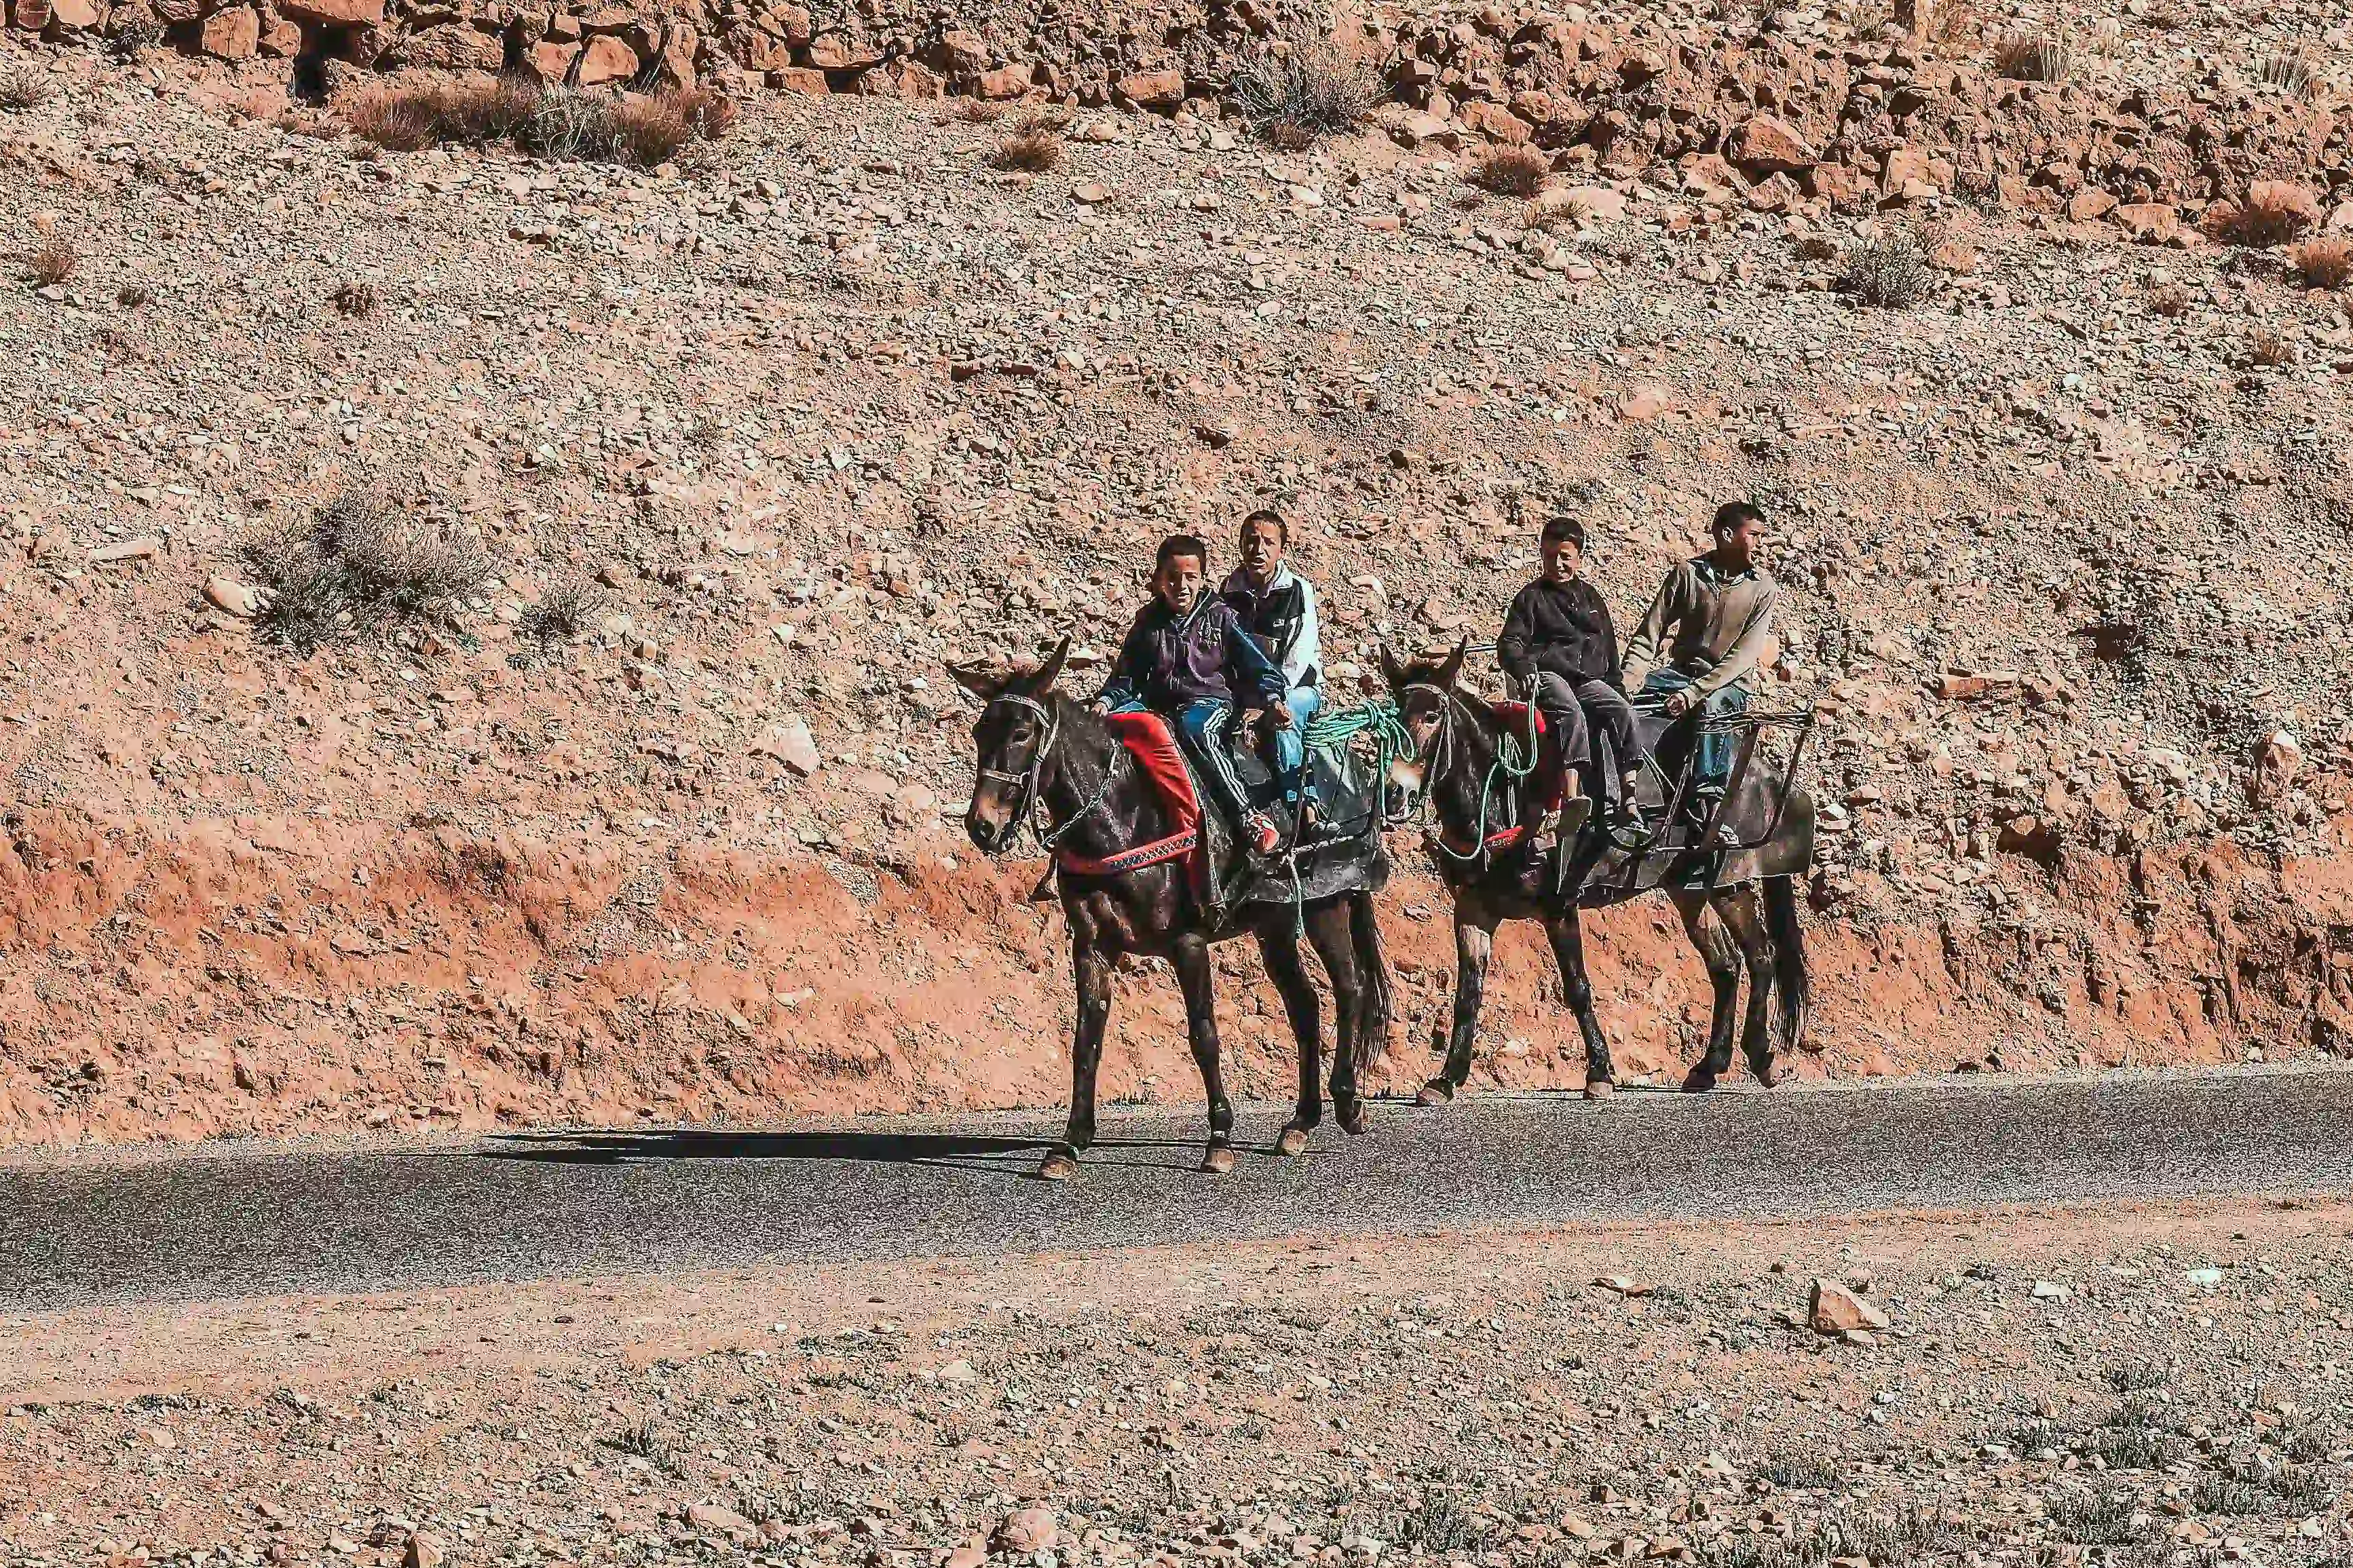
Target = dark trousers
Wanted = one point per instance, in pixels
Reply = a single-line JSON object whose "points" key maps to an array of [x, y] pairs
{"points": [[1573, 711]]}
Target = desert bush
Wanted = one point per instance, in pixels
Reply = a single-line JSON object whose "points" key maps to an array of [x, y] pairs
{"points": [[135, 39], [2034, 57], [2272, 212], [355, 297], [1953, 24], [2325, 263], [23, 86], [357, 567], [2137, 1377], [2104, 1520], [1033, 145], [2169, 299], [1510, 171], [561, 615], [52, 261], [2292, 74], [2271, 349], [976, 112], [1306, 88], [133, 296], [1573, 214], [552, 122], [1890, 273]]}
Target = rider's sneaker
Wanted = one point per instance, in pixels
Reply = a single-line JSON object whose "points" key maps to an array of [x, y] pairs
{"points": [[1261, 834]]}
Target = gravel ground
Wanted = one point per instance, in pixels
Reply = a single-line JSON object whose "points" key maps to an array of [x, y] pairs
{"points": [[2120, 1383]]}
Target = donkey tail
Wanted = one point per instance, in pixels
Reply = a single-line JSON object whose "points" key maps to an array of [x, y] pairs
{"points": [[1789, 958], [1379, 1003]]}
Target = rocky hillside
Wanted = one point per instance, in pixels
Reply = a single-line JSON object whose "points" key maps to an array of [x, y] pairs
{"points": [[656, 818]]}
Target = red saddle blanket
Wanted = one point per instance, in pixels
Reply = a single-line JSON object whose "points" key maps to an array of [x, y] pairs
{"points": [[1152, 744], [1552, 778]]}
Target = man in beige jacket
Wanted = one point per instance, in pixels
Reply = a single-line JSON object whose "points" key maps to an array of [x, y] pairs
{"points": [[1706, 633]]}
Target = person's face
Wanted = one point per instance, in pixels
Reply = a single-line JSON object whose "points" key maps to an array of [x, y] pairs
{"points": [[1562, 557], [1262, 551], [1741, 545], [1178, 584]]}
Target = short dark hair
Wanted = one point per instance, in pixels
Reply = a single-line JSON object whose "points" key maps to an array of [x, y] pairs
{"points": [[1562, 525], [1733, 513], [1268, 514], [1177, 544]]}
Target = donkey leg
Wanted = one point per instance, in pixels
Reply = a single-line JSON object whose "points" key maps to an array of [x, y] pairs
{"points": [[1300, 1004], [1191, 957], [1567, 934], [1475, 939], [1744, 918], [1090, 968], [1722, 956], [1328, 928]]}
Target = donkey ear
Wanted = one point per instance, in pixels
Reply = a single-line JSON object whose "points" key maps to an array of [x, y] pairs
{"points": [[978, 679], [1043, 682], [1452, 670], [1391, 671]]}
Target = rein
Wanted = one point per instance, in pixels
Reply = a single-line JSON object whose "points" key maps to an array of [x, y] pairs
{"points": [[1513, 764]]}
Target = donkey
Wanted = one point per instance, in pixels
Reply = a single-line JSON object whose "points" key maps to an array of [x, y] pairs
{"points": [[1043, 752], [1742, 910]]}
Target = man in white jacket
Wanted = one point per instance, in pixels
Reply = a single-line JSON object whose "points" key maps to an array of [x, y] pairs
{"points": [[1276, 608]]}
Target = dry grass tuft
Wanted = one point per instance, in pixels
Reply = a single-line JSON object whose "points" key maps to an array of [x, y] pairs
{"points": [[2034, 57], [355, 297], [23, 86], [2325, 263], [359, 565], [2292, 74], [2274, 213], [976, 112], [2271, 349], [133, 296], [1890, 273], [1818, 247], [1954, 24], [547, 122], [2169, 299], [1034, 145], [1510, 171], [1573, 214], [53, 261], [1305, 88], [562, 614]]}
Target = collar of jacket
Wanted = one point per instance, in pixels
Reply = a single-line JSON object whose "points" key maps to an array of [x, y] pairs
{"points": [[1715, 576], [1237, 581]]}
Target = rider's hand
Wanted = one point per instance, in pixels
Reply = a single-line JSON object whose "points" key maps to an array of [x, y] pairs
{"points": [[1679, 703], [1278, 715]]}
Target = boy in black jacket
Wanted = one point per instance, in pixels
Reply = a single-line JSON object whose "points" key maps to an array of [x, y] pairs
{"points": [[1558, 644]]}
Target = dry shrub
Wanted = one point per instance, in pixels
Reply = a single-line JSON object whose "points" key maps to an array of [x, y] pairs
{"points": [[23, 86], [1953, 24], [1305, 88], [562, 614], [2271, 349], [976, 112], [2034, 57], [2272, 213], [355, 297], [1510, 171], [359, 565], [135, 39], [1574, 212], [2325, 263], [1890, 273], [53, 261], [1817, 247], [2169, 299], [548, 122], [133, 296], [2292, 74], [1034, 145]]}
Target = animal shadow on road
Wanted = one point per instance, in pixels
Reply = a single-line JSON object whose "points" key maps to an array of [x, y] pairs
{"points": [[995, 1156]]}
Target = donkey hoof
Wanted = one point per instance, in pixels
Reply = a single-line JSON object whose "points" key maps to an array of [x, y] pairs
{"points": [[1352, 1119], [1767, 1073], [1293, 1142], [1437, 1091], [1059, 1166], [1218, 1159], [1600, 1088], [1700, 1081]]}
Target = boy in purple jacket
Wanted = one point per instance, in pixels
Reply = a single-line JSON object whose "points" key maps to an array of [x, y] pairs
{"points": [[1188, 658]]}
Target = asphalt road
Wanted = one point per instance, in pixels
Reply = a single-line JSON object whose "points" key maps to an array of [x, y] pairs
{"points": [[228, 1221]]}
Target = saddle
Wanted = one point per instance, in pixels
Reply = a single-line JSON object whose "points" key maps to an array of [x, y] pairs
{"points": [[1150, 740]]}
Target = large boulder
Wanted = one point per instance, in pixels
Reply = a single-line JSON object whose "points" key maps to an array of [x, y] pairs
{"points": [[1766, 145]]}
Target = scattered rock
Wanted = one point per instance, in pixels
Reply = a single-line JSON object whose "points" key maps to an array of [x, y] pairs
{"points": [[1833, 1309]]}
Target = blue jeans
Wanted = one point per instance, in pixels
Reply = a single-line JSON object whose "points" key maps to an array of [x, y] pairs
{"points": [[1200, 727], [1291, 744], [1712, 752]]}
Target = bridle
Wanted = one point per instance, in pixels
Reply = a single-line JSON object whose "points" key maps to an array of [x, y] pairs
{"points": [[1030, 805], [1441, 754]]}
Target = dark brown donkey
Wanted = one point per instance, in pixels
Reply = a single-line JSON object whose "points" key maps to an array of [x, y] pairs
{"points": [[1042, 751], [1738, 905]]}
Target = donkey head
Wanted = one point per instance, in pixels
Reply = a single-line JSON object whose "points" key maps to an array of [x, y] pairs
{"points": [[1011, 738], [1423, 690]]}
